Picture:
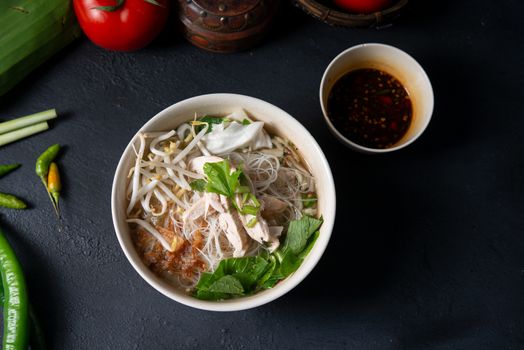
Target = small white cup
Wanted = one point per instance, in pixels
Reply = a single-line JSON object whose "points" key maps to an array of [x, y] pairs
{"points": [[395, 62]]}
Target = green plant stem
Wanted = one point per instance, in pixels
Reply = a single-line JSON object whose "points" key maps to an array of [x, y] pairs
{"points": [[22, 133], [23, 122]]}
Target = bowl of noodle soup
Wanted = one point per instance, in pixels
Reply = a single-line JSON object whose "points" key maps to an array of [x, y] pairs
{"points": [[223, 202]]}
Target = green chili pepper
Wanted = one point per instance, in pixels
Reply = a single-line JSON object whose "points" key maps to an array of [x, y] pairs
{"points": [[36, 334], [42, 169], [16, 332], [10, 201], [44, 161], [4, 169]]}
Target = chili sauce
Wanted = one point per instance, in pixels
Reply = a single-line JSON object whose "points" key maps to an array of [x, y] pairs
{"points": [[370, 107]]}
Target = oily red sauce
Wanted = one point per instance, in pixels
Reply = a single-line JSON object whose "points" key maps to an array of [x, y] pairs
{"points": [[370, 107]]}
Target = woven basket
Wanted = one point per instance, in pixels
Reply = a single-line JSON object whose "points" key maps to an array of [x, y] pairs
{"points": [[335, 17]]}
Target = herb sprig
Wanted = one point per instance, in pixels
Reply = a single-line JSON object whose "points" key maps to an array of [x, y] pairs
{"points": [[236, 277]]}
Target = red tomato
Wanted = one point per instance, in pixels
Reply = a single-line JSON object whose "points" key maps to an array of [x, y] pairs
{"points": [[363, 6], [130, 27]]}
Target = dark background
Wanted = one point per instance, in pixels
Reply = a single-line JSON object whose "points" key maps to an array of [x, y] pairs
{"points": [[427, 250]]}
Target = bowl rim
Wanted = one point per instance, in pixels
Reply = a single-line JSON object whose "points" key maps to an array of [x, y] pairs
{"points": [[357, 146], [262, 297]]}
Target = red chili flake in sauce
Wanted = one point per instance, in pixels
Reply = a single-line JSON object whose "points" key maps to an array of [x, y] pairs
{"points": [[370, 107]]}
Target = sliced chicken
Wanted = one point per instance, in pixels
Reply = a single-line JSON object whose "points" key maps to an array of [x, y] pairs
{"points": [[236, 227], [257, 228], [235, 233], [202, 207], [232, 226]]}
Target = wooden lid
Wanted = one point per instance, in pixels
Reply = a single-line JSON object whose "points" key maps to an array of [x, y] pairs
{"points": [[226, 25]]}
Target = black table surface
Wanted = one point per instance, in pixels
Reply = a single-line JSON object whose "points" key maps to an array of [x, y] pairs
{"points": [[427, 250]]}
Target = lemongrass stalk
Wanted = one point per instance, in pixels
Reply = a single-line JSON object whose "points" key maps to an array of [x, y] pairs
{"points": [[22, 122], [22, 133]]}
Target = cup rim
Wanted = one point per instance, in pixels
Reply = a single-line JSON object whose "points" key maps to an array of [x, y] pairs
{"points": [[262, 297], [352, 144]]}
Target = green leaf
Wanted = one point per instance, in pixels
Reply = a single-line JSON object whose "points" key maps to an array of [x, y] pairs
{"points": [[289, 264], [299, 232], [206, 279], [246, 275], [198, 185], [118, 5], [246, 122], [310, 243], [243, 189], [247, 269], [210, 121], [301, 237], [271, 281], [227, 284], [220, 178], [206, 295], [262, 282]]}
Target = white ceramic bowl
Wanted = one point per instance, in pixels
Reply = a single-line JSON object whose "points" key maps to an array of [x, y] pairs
{"points": [[276, 121], [395, 62]]}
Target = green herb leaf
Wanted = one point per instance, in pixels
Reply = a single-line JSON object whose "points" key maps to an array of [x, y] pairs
{"points": [[243, 189], [246, 122], [246, 275], [289, 264], [220, 178], [265, 281], [206, 279], [207, 295], [198, 185], [232, 277], [299, 232], [247, 269], [227, 284], [310, 242], [210, 121]]}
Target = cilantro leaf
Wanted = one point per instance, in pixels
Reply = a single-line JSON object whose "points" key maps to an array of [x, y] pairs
{"points": [[210, 121], [220, 178]]}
